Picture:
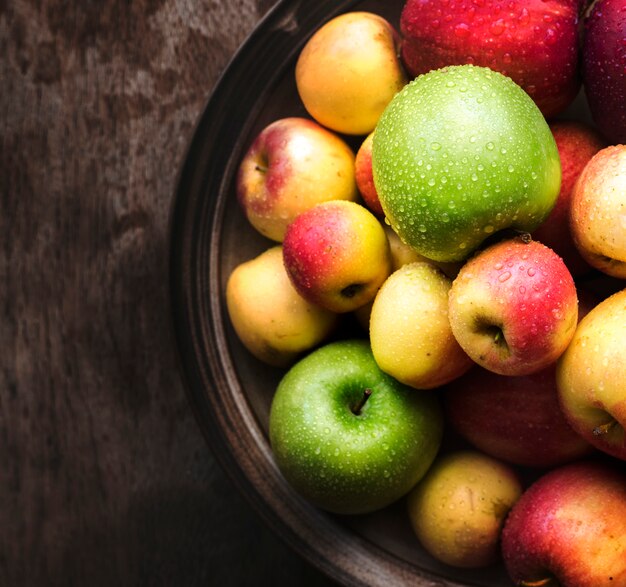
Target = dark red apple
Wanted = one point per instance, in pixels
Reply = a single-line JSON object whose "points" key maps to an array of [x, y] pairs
{"points": [[535, 42], [604, 67]]}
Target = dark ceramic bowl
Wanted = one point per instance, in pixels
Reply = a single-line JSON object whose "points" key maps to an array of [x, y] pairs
{"points": [[229, 390]]}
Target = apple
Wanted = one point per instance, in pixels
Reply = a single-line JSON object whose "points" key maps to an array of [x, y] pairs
{"points": [[409, 328], [535, 42], [604, 67], [459, 154], [291, 165], [348, 437], [515, 419], [591, 377], [365, 177], [577, 143], [458, 508], [273, 321], [337, 255], [569, 529], [598, 211], [349, 70], [514, 307]]}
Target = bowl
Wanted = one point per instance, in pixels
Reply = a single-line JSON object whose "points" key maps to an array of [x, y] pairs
{"points": [[230, 391]]}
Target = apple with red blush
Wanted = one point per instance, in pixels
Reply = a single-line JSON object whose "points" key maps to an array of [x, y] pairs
{"points": [[513, 307], [577, 142], [569, 529], [293, 164], [337, 255], [534, 42], [365, 177]]}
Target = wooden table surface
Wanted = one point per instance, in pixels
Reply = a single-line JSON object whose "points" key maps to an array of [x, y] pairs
{"points": [[105, 478]]}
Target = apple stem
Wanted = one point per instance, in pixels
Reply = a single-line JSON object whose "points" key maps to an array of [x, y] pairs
{"points": [[366, 394], [604, 428], [538, 583], [260, 168]]}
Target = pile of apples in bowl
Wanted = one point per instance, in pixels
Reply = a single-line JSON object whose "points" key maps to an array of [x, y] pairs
{"points": [[443, 282]]}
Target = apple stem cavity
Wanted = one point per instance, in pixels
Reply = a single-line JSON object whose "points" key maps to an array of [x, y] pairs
{"points": [[603, 429], [356, 410], [351, 290]]}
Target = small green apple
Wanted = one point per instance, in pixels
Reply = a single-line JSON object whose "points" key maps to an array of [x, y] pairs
{"points": [[459, 154], [348, 437], [458, 509]]}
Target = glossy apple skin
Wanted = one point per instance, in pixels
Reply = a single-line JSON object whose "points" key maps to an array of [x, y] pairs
{"points": [[514, 307], [532, 41], [409, 328], [273, 321], [291, 165], [458, 509], [515, 419], [349, 70], [570, 525], [598, 211], [365, 177], [577, 143], [459, 154], [337, 255], [345, 461], [604, 67], [591, 376]]}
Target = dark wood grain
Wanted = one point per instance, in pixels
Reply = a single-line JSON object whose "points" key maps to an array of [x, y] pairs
{"points": [[105, 478]]}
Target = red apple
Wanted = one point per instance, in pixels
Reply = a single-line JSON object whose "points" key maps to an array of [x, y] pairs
{"points": [[293, 164], [535, 42], [337, 255], [365, 177], [577, 143], [569, 529], [604, 67], [513, 307], [598, 211]]}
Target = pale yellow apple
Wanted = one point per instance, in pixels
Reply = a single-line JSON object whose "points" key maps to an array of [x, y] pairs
{"points": [[410, 332], [458, 509], [349, 71], [269, 316], [591, 376]]}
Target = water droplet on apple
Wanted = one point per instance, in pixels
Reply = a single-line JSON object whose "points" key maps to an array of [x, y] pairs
{"points": [[504, 276], [488, 229]]}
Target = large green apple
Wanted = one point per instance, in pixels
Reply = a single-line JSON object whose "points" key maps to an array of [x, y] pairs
{"points": [[459, 154], [348, 437]]}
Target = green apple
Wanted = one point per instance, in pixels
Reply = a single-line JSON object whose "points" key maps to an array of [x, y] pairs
{"points": [[348, 437], [410, 330], [272, 320], [458, 509], [460, 153]]}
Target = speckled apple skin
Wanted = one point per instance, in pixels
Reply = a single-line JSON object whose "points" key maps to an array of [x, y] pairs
{"points": [[598, 211], [532, 41], [571, 525], [344, 462], [293, 164], [337, 255], [523, 289]]}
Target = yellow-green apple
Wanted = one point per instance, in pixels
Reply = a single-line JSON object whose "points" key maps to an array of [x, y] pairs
{"points": [[293, 164], [337, 255], [577, 143], [591, 377], [514, 307], [458, 509], [515, 419], [598, 211], [348, 437], [569, 529], [273, 321], [459, 154], [604, 67], [349, 70], [535, 42], [409, 328], [365, 177]]}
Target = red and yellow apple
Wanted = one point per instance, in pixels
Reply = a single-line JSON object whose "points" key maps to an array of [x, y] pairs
{"points": [[365, 177], [293, 164]]}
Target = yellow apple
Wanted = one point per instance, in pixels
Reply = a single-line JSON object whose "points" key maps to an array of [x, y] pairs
{"points": [[349, 71], [270, 318]]}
